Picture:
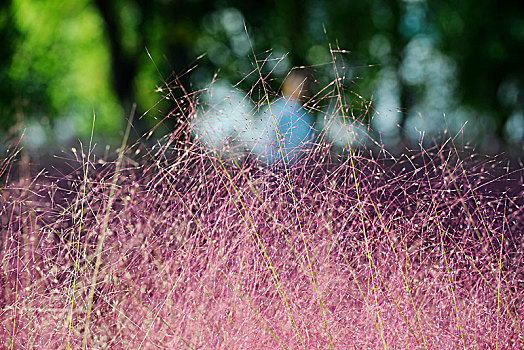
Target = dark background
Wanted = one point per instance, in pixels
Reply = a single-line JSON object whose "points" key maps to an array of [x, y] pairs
{"points": [[62, 62]]}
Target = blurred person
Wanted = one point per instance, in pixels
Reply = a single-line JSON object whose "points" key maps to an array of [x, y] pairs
{"points": [[228, 113], [281, 133], [284, 130]]}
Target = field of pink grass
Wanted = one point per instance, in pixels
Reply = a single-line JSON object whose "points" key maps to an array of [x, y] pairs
{"points": [[200, 253], [177, 247]]}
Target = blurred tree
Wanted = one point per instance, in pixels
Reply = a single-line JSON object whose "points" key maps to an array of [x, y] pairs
{"points": [[167, 29], [124, 28], [62, 60], [486, 40], [58, 70], [10, 35]]}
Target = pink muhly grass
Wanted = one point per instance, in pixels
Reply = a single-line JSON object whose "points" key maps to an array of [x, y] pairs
{"points": [[201, 251]]}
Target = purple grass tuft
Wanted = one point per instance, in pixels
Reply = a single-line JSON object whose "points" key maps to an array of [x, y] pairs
{"points": [[203, 252]]}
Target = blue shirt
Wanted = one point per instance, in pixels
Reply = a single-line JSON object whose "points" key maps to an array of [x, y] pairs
{"points": [[294, 127]]}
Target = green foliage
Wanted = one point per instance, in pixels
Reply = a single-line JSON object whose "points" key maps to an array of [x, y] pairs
{"points": [[70, 59], [7, 48], [486, 39], [60, 64]]}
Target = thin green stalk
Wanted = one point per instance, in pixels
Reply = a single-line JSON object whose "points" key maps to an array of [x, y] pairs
{"points": [[105, 224], [91, 263], [502, 276], [440, 230], [266, 94], [16, 290], [258, 241], [84, 189], [499, 278], [404, 273], [220, 273], [360, 205]]}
